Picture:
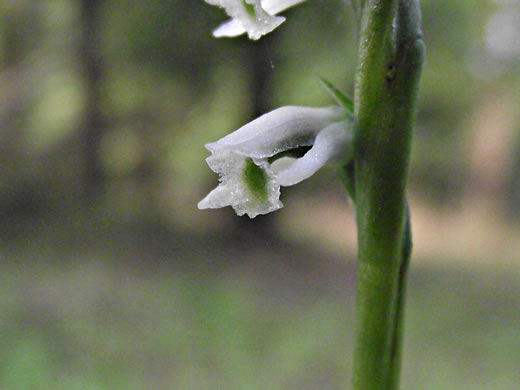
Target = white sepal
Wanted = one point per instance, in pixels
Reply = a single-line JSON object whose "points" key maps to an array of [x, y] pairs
{"points": [[333, 143], [282, 129], [274, 7]]}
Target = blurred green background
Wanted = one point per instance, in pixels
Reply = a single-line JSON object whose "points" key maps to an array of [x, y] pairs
{"points": [[110, 278]]}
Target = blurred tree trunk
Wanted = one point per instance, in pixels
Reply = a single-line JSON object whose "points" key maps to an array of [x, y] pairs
{"points": [[260, 63], [13, 101], [19, 192], [92, 127]]}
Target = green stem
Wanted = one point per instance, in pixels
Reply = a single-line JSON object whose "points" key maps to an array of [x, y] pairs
{"points": [[397, 341], [389, 67]]}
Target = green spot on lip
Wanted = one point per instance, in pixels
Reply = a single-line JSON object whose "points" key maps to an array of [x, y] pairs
{"points": [[255, 180]]}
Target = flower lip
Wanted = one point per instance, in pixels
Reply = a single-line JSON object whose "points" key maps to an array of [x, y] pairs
{"points": [[248, 185]]}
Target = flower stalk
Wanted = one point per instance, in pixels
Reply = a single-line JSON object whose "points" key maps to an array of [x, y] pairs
{"points": [[389, 67]]}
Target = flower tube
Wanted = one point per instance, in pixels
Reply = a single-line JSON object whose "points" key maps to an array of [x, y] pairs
{"points": [[251, 161]]}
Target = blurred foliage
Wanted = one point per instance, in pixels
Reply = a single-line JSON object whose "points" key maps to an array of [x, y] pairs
{"points": [[168, 87], [90, 304]]}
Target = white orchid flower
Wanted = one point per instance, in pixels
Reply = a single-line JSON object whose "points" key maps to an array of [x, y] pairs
{"points": [[256, 17], [251, 161]]}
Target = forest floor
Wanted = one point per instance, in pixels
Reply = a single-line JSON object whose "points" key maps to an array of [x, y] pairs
{"points": [[93, 300]]}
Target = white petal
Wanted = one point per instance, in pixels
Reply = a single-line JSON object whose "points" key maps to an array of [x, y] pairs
{"points": [[231, 28], [274, 7], [279, 130], [332, 143]]}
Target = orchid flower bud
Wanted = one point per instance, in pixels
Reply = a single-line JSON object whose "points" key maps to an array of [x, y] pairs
{"points": [[256, 17], [247, 159]]}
